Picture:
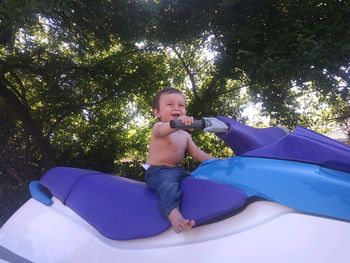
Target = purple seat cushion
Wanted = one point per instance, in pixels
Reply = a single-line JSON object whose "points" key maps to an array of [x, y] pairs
{"points": [[301, 145], [304, 145], [118, 208], [242, 138], [123, 209], [205, 200], [61, 180]]}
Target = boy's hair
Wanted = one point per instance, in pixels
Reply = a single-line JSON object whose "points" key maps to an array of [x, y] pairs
{"points": [[167, 90]]}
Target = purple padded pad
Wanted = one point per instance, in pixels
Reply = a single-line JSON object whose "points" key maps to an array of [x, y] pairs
{"points": [[61, 180], [118, 208], [307, 146], [123, 209], [302, 145], [242, 138], [204, 200]]}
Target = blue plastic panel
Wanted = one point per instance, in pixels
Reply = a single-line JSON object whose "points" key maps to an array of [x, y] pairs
{"points": [[306, 187], [39, 194]]}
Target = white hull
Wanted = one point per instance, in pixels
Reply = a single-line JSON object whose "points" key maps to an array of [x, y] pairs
{"points": [[262, 232]]}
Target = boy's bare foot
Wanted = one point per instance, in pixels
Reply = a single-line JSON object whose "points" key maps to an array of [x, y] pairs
{"points": [[178, 222]]}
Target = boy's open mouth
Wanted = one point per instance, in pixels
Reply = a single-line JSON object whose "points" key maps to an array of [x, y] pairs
{"points": [[176, 115]]}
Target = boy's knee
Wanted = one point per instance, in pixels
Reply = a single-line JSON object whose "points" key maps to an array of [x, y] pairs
{"points": [[170, 188]]}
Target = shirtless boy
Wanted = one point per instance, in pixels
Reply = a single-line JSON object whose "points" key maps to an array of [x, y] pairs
{"points": [[166, 151]]}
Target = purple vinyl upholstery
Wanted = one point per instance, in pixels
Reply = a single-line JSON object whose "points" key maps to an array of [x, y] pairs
{"points": [[306, 146], [302, 145], [205, 200], [242, 138], [61, 180], [123, 209]]}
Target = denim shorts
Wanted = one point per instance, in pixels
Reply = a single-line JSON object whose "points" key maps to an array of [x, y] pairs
{"points": [[166, 182]]}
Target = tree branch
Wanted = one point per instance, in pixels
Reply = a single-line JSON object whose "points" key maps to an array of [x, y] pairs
{"points": [[189, 73], [21, 93], [21, 112]]}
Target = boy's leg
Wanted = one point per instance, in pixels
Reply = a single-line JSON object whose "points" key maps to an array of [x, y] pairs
{"points": [[169, 194], [178, 222], [166, 182]]}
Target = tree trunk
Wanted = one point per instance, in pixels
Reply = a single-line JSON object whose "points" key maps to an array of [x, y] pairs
{"points": [[22, 113]]}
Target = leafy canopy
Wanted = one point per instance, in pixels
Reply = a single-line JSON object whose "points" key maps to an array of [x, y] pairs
{"points": [[77, 77]]}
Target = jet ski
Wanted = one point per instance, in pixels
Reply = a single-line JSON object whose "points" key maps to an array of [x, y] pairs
{"points": [[283, 197]]}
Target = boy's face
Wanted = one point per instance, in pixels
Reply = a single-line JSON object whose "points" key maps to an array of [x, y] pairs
{"points": [[171, 106]]}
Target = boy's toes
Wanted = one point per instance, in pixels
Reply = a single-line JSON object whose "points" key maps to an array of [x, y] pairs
{"points": [[187, 224]]}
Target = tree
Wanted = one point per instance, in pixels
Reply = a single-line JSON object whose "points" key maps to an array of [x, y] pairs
{"points": [[57, 59], [77, 77], [67, 68], [271, 45]]}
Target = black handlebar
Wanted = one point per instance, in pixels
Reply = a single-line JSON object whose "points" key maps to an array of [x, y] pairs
{"points": [[197, 124]]}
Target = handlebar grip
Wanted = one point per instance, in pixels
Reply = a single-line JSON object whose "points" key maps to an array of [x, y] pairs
{"points": [[197, 124]]}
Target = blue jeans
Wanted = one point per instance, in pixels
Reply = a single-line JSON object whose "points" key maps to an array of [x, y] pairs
{"points": [[166, 182]]}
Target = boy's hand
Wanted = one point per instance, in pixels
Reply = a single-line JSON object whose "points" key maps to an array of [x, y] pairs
{"points": [[186, 120]]}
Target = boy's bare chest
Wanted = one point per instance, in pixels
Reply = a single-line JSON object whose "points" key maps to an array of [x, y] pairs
{"points": [[177, 139], [175, 142]]}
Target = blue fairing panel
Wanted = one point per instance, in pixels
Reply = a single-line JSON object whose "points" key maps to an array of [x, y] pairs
{"points": [[306, 187]]}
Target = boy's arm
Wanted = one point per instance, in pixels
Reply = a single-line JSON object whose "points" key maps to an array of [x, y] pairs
{"points": [[195, 152], [162, 129]]}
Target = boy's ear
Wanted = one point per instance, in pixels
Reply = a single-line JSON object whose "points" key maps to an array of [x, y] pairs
{"points": [[156, 113]]}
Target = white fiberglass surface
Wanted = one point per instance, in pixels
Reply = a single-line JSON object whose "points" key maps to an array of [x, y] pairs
{"points": [[255, 214], [264, 230]]}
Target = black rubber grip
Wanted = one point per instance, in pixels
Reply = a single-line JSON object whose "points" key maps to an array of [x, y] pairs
{"points": [[197, 124]]}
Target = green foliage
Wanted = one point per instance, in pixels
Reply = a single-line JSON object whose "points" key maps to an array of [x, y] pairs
{"points": [[77, 77], [7, 125], [72, 78], [271, 46], [212, 144]]}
